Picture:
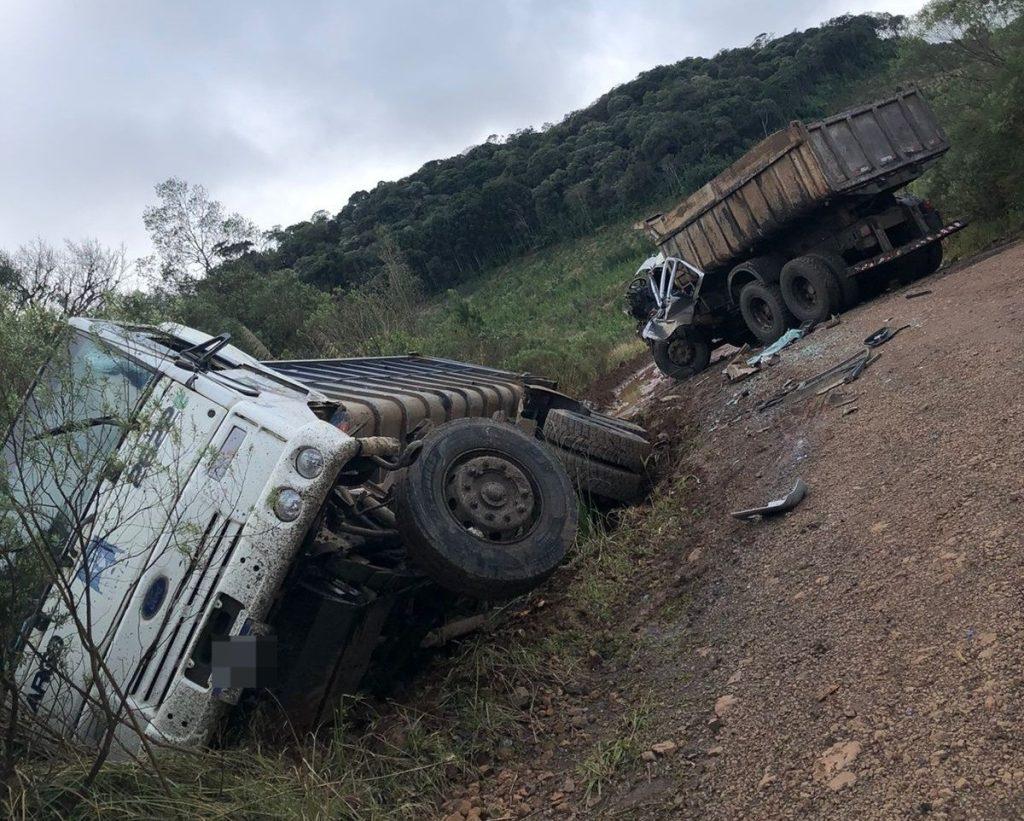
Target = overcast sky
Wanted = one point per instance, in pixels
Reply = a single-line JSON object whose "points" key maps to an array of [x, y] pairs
{"points": [[284, 108]]}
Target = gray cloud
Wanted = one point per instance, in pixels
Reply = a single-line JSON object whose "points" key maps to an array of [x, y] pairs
{"points": [[284, 108]]}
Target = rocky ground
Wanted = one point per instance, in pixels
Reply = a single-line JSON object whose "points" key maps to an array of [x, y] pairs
{"points": [[858, 657]]}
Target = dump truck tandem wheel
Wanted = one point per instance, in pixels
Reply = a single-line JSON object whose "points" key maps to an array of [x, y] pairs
{"points": [[921, 263], [810, 289], [485, 510], [682, 355], [598, 479], [764, 310], [849, 287], [596, 439]]}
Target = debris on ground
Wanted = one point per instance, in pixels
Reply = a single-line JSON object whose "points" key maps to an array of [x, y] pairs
{"points": [[787, 502], [737, 371], [788, 338], [883, 335], [916, 294], [845, 372]]}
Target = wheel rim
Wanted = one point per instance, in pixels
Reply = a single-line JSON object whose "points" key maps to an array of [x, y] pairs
{"points": [[681, 352], [762, 314], [804, 292], [492, 497]]}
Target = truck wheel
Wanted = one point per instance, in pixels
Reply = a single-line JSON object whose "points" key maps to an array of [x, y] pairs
{"points": [[596, 439], [485, 510], [764, 311], [849, 287], [810, 289], [681, 356], [921, 263], [607, 482]]}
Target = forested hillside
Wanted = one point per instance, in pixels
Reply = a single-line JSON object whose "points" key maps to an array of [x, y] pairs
{"points": [[661, 135]]}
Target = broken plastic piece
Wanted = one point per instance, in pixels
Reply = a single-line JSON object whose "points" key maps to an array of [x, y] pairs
{"points": [[788, 502], [788, 338], [883, 335]]}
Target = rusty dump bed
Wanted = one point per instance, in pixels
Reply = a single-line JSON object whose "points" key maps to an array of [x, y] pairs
{"points": [[867, 150], [390, 395]]}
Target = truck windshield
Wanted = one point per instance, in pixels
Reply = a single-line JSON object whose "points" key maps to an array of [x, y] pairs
{"points": [[63, 440]]}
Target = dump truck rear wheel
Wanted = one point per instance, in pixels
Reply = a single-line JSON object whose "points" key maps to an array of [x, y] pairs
{"points": [[849, 287], [921, 263], [603, 481], [764, 310], [811, 290], [596, 439], [681, 356], [485, 510]]}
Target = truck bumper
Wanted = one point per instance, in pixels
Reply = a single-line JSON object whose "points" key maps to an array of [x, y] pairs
{"points": [[903, 250]]}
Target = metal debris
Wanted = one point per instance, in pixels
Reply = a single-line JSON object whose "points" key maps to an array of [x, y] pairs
{"points": [[850, 369], [916, 294], [883, 335], [776, 506]]}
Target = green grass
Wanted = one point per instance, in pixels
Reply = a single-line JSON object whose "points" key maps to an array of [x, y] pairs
{"points": [[389, 760], [556, 312]]}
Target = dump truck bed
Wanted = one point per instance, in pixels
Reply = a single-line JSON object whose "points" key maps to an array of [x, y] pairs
{"points": [[390, 395], [864, 151]]}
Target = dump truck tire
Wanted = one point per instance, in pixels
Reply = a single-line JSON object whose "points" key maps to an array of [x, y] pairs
{"points": [[681, 356], [812, 292], [485, 510], [764, 310], [596, 439], [849, 287], [621, 424], [598, 479]]}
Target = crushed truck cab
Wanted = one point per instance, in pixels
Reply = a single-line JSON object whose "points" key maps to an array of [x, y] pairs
{"points": [[196, 527]]}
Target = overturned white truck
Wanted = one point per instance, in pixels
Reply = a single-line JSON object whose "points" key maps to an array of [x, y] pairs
{"points": [[193, 525]]}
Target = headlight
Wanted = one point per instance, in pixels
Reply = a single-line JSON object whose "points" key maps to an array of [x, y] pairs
{"points": [[309, 463], [288, 504]]}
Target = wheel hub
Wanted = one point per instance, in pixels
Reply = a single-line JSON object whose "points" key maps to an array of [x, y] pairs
{"points": [[805, 291], [762, 313], [490, 496], [680, 351]]}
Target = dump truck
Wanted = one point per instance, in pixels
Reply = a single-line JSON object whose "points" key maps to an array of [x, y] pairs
{"points": [[193, 529], [795, 230]]}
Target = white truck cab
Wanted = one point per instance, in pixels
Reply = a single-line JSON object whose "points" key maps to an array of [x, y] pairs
{"points": [[171, 494]]}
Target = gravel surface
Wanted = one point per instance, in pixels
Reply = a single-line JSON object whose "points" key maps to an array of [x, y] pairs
{"points": [[860, 656]]}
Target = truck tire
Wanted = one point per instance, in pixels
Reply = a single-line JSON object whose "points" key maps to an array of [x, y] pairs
{"points": [[681, 355], [764, 311], [620, 424], [810, 289], [485, 510], [596, 439], [849, 287], [603, 481]]}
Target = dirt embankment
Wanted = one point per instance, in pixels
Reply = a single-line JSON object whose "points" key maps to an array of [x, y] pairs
{"points": [[860, 656]]}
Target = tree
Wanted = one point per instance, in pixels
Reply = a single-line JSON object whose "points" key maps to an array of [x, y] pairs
{"points": [[193, 233], [77, 279]]}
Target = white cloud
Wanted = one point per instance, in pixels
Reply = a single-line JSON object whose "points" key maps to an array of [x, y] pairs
{"points": [[283, 109]]}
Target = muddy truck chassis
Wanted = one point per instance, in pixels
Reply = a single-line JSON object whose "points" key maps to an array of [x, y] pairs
{"points": [[365, 616], [797, 229]]}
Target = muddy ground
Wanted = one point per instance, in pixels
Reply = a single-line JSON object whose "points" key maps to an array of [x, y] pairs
{"points": [[859, 657]]}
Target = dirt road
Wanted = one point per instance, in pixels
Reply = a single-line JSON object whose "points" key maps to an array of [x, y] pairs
{"points": [[859, 657]]}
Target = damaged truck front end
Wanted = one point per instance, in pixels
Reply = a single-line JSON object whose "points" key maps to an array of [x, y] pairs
{"points": [[237, 532]]}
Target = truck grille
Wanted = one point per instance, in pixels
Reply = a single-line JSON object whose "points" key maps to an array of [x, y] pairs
{"points": [[162, 660]]}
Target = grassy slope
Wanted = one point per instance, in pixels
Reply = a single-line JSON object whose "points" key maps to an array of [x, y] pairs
{"points": [[556, 312], [401, 760]]}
